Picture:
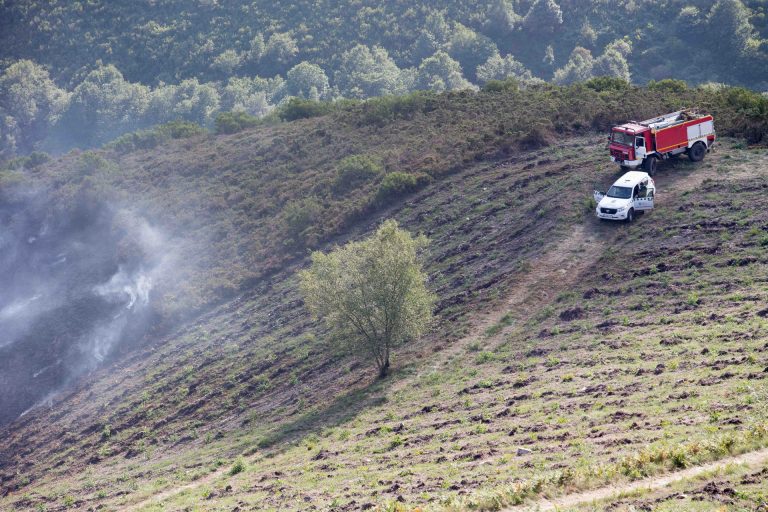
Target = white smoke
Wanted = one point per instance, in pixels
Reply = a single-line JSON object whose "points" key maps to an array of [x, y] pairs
{"points": [[76, 288], [129, 289]]}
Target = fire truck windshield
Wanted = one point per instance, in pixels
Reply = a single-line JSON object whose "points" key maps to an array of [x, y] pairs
{"points": [[622, 138]]}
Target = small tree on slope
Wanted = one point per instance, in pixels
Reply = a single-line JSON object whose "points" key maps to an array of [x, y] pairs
{"points": [[372, 293]]}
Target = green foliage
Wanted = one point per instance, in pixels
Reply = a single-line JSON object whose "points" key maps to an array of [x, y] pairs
{"points": [[366, 72], [396, 184], [354, 170], [103, 106], [180, 129], [297, 108], [233, 122], [607, 83], [30, 103], [510, 84], [180, 61], [237, 468], [502, 68], [440, 73], [668, 85], [379, 111], [36, 159], [307, 81], [148, 139], [300, 219], [371, 293]]}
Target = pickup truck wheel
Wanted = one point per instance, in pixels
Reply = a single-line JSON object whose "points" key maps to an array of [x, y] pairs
{"points": [[650, 165], [697, 151], [630, 215]]}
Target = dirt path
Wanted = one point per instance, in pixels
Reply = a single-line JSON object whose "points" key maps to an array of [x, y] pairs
{"points": [[157, 499], [556, 269], [751, 460]]}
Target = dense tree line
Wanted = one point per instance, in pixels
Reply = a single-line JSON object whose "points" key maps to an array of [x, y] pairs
{"points": [[82, 72]]}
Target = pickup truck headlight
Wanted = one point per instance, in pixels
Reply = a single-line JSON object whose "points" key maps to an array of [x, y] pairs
{"points": [[618, 210]]}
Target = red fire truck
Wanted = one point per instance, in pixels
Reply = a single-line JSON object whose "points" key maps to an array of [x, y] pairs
{"points": [[644, 143]]}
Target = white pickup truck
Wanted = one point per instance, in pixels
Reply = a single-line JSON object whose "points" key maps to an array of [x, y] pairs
{"points": [[629, 196]]}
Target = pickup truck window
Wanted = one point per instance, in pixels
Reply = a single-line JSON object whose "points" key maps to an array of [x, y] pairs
{"points": [[622, 138], [619, 192]]}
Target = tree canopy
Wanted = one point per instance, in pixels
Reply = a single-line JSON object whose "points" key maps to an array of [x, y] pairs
{"points": [[79, 73], [372, 294]]}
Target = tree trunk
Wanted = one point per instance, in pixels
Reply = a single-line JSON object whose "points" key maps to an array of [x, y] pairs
{"points": [[384, 369]]}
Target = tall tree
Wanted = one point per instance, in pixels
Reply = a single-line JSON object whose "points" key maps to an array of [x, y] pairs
{"points": [[372, 294], [499, 68], [544, 16], [440, 73], [470, 49], [578, 68], [307, 81], [102, 106], [33, 103], [190, 100], [366, 72]]}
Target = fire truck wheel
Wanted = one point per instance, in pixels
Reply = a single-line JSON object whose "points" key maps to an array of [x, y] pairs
{"points": [[650, 165], [630, 215], [697, 151]]}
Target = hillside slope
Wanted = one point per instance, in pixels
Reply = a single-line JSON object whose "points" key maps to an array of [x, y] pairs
{"points": [[587, 372], [546, 335]]}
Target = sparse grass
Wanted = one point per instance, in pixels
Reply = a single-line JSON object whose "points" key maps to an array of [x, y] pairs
{"points": [[578, 393]]}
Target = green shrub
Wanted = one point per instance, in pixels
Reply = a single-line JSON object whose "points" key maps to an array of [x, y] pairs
{"points": [[233, 122], [354, 170], [508, 84], [140, 139], [91, 162], [153, 137], [668, 85], [180, 129], [36, 159], [400, 183], [382, 110], [237, 468], [297, 108], [607, 83], [299, 218]]}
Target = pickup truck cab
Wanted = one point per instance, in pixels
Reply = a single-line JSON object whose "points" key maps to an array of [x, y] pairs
{"points": [[629, 196]]}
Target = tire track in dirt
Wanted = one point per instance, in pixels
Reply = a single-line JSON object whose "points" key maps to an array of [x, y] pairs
{"points": [[750, 460], [158, 499]]}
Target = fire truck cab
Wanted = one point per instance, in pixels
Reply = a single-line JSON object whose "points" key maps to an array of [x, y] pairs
{"points": [[644, 143]]}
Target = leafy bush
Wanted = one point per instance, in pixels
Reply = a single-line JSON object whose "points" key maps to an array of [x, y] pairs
{"points": [[607, 83], [233, 122], [668, 85], [400, 183], [509, 84], [300, 218], [36, 158], [354, 170], [298, 108], [237, 468], [180, 129], [148, 139], [380, 111], [91, 162]]}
